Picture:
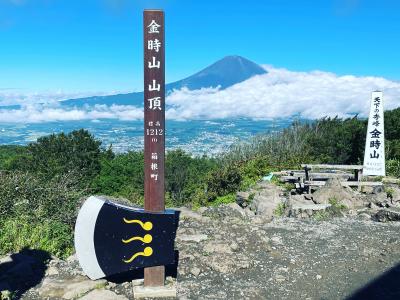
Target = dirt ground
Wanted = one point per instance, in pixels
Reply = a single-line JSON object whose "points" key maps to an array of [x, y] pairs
{"points": [[225, 254], [289, 259]]}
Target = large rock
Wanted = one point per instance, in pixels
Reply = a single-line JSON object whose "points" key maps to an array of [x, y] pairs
{"points": [[389, 198], [187, 213], [103, 295], [243, 198], [215, 247], [266, 200], [68, 288], [379, 200], [227, 263], [298, 199], [226, 212], [388, 214], [303, 211], [197, 238], [334, 191]]}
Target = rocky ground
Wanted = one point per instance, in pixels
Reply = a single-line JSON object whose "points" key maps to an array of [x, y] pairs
{"points": [[247, 252]]}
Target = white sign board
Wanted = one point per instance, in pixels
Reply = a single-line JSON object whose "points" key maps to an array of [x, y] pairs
{"points": [[374, 156]]}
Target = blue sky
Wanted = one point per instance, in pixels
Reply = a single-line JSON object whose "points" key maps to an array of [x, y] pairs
{"points": [[82, 46]]}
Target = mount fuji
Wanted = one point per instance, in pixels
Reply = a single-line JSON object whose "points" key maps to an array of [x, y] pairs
{"points": [[224, 73]]}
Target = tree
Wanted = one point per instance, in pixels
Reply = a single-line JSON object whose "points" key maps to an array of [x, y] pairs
{"points": [[77, 151], [121, 175]]}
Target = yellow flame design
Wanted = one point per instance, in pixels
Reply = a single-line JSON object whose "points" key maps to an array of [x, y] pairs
{"points": [[146, 226], [148, 251], [146, 239]]}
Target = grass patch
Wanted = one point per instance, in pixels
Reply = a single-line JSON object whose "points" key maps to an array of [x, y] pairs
{"points": [[336, 204], [251, 196], [25, 232], [389, 192], [322, 215], [280, 210], [286, 185], [335, 210], [230, 198]]}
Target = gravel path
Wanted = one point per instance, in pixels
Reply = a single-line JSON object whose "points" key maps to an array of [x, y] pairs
{"points": [[288, 259]]}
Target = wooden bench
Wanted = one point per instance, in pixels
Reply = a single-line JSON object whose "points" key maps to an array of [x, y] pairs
{"points": [[356, 168], [322, 174], [345, 183]]}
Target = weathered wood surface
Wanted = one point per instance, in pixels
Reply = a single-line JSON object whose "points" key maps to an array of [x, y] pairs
{"points": [[320, 174], [314, 176], [345, 183], [361, 183], [391, 180], [289, 178], [302, 174], [154, 124], [337, 167]]}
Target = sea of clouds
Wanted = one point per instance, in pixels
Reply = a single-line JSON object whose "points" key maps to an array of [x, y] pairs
{"points": [[278, 94]]}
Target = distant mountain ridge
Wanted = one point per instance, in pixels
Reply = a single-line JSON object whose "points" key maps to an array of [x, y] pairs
{"points": [[224, 73]]}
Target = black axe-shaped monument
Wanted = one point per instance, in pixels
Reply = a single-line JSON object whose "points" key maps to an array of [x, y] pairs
{"points": [[112, 238]]}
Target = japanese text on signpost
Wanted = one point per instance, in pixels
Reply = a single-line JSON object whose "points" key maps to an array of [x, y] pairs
{"points": [[374, 157], [154, 109]]}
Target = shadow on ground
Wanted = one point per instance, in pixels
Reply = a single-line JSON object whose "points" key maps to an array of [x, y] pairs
{"points": [[21, 271], [384, 287]]}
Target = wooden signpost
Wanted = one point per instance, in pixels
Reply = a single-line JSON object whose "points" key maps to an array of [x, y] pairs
{"points": [[111, 238], [154, 124]]}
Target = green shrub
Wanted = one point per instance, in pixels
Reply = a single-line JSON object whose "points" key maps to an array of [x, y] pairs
{"points": [[389, 192], [38, 214], [8, 153], [57, 154], [280, 210], [321, 215], [336, 204], [122, 175], [24, 231], [199, 198], [251, 197], [335, 210], [222, 182], [253, 170], [393, 167], [230, 198], [56, 199], [186, 176]]}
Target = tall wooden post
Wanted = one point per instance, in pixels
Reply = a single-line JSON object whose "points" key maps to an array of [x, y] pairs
{"points": [[154, 124]]}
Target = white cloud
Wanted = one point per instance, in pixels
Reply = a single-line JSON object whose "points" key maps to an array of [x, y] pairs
{"points": [[278, 94], [12, 96], [42, 113], [282, 93]]}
